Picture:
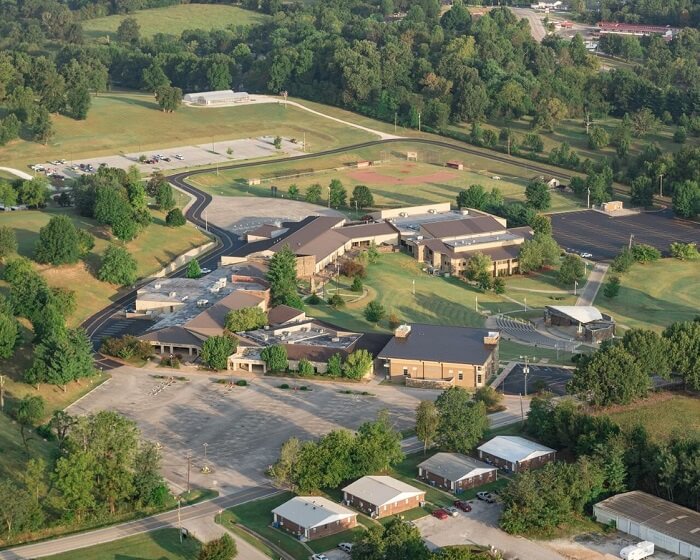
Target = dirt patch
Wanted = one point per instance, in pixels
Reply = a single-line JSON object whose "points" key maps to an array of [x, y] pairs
{"points": [[387, 180]]}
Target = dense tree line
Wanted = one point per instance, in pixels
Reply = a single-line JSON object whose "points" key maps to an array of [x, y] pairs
{"points": [[630, 457], [680, 13], [339, 456]]}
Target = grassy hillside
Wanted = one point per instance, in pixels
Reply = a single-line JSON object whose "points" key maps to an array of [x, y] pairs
{"points": [[131, 122], [173, 20]]}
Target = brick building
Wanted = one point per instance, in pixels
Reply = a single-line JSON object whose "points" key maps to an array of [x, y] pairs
{"points": [[515, 454], [455, 472], [381, 496], [313, 517]]}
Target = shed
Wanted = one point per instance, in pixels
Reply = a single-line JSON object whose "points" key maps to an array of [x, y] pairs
{"points": [[312, 517], [669, 526], [515, 453], [362, 164], [456, 472], [458, 165], [380, 496]]}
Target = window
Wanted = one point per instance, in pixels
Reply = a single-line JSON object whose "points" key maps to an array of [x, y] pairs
{"points": [[478, 379], [460, 376], [405, 370]]}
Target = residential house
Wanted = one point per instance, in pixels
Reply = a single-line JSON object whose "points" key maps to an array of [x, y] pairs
{"points": [[381, 496], [313, 517], [515, 454], [455, 472]]}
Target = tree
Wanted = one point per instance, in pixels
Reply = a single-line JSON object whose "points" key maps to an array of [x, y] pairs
{"points": [[165, 199], [277, 142], [684, 355], [612, 287], [313, 194], [74, 479], [223, 548], [275, 357], [533, 142], [30, 410], [462, 420], [293, 192], [374, 312], [427, 420], [305, 368], [362, 197], [622, 262], [681, 251], [334, 367], [118, 266], [397, 541], [478, 265], [61, 422], [377, 447], [58, 242], [41, 126], [541, 250], [337, 194], [572, 270], [474, 197], [490, 397], [169, 98], [28, 290], [537, 195], [541, 224], [356, 284], [8, 242], [34, 478], [357, 364], [282, 276], [372, 253], [9, 335], [642, 122], [598, 138], [193, 269], [175, 218], [8, 194], [217, 349], [34, 192], [649, 350], [686, 199], [610, 376], [149, 486], [19, 512], [283, 470], [642, 192], [129, 31], [246, 319], [60, 358]]}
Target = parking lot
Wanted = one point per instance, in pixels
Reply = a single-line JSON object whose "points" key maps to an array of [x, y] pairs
{"points": [[243, 427], [551, 378], [604, 236]]}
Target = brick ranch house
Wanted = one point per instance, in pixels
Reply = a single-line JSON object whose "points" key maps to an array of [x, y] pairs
{"points": [[516, 454], [313, 517], [455, 472], [381, 496]]}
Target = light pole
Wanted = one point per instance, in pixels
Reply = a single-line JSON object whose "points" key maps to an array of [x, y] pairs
{"points": [[631, 240], [329, 196], [179, 520], [588, 199], [526, 371], [661, 185], [206, 221], [575, 286], [419, 122], [525, 303], [413, 288]]}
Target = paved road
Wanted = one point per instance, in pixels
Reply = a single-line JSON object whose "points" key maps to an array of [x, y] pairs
{"points": [[595, 280], [20, 174], [534, 18], [160, 521]]}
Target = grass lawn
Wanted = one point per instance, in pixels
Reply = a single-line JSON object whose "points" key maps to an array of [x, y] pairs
{"points": [[662, 414], [173, 20], [156, 247], [156, 545], [13, 455], [329, 543], [103, 133], [655, 295], [256, 516], [393, 183]]}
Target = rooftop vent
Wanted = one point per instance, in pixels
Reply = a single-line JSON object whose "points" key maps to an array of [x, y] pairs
{"points": [[335, 339], [202, 302], [172, 294], [432, 211], [403, 214], [402, 331], [156, 286], [185, 298]]}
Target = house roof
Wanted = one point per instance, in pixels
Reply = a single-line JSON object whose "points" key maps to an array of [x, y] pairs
{"points": [[381, 490], [656, 513], [581, 313], [514, 449], [316, 238], [454, 466], [283, 314], [215, 316], [312, 511], [172, 335], [440, 343], [464, 226], [368, 230]]}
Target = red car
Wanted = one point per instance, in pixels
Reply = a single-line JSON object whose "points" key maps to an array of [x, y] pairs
{"points": [[464, 506], [440, 514]]}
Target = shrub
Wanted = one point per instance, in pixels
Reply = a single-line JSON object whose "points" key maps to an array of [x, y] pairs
{"points": [[305, 368], [490, 397], [284, 386], [374, 312], [685, 251], [126, 347], [680, 135], [304, 388], [394, 321], [242, 383], [175, 218], [643, 253], [336, 301], [356, 284], [622, 262], [313, 299], [612, 287], [353, 268]]}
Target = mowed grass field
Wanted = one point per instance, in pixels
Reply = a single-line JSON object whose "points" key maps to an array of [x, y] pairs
{"points": [[655, 295], [663, 415], [156, 545], [393, 182], [156, 247], [173, 20], [132, 122]]}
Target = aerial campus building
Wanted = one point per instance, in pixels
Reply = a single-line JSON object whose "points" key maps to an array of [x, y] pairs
{"points": [[221, 97]]}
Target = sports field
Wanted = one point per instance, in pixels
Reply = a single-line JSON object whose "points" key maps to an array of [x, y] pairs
{"points": [[655, 295], [173, 20], [104, 131], [393, 180], [156, 545]]}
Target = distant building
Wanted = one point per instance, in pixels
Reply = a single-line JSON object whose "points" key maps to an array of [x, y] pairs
{"points": [[381, 496], [440, 356], [455, 472], [313, 517], [669, 526], [637, 30], [217, 97], [515, 454], [590, 324]]}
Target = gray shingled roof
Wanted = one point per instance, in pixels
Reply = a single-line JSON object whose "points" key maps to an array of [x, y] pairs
{"points": [[465, 226], [440, 343], [454, 466]]}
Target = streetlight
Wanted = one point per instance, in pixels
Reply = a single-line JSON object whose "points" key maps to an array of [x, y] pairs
{"points": [[588, 199], [526, 371], [575, 286], [661, 184]]}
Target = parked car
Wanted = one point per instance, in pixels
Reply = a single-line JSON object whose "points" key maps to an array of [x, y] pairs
{"points": [[345, 547], [453, 511], [440, 513], [586, 255], [486, 497], [319, 557], [496, 178], [205, 270], [179, 156], [464, 506], [166, 159]]}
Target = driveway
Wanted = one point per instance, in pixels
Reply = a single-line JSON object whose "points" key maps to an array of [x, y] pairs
{"points": [[480, 526]]}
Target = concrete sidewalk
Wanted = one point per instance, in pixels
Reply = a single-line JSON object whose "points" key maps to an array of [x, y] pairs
{"points": [[595, 281]]}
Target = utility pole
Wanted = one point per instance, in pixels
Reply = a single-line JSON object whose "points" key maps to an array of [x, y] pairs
{"points": [[413, 288], [418, 122], [2, 392], [588, 199], [526, 372], [476, 303], [630, 243], [522, 410], [661, 184], [588, 121], [575, 286], [189, 467], [508, 144], [179, 520], [394, 122], [525, 303]]}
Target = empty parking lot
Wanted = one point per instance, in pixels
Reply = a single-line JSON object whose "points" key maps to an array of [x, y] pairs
{"points": [[604, 236], [554, 379]]}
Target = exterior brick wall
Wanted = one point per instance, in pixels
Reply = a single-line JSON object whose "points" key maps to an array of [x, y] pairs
{"points": [[384, 511], [465, 484], [316, 532], [520, 467]]}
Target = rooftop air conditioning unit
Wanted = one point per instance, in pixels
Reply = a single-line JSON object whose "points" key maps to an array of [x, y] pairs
{"points": [[185, 298], [172, 294], [202, 302], [216, 289], [335, 339], [403, 214], [432, 211], [156, 286]]}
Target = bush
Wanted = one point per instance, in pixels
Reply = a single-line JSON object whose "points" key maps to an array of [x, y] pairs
{"points": [[305, 368], [353, 268], [612, 287], [175, 218], [284, 386], [394, 321], [313, 299], [242, 383], [336, 301], [304, 388], [356, 284], [685, 251], [680, 135], [622, 262], [490, 397], [374, 312], [126, 347], [643, 253]]}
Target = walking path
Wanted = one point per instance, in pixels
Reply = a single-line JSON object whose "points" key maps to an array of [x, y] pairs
{"points": [[20, 174], [595, 280]]}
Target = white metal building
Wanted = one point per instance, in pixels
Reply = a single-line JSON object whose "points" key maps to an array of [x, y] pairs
{"points": [[217, 97], [668, 525]]}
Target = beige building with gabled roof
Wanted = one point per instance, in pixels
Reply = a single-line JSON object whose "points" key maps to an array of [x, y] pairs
{"points": [[380, 496]]}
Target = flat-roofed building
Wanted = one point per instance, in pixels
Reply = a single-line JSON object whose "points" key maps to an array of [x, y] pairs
{"points": [[219, 97], [515, 454], [313, 517], [650, 518], [380, 496], [456, 472], [440, 356]]}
